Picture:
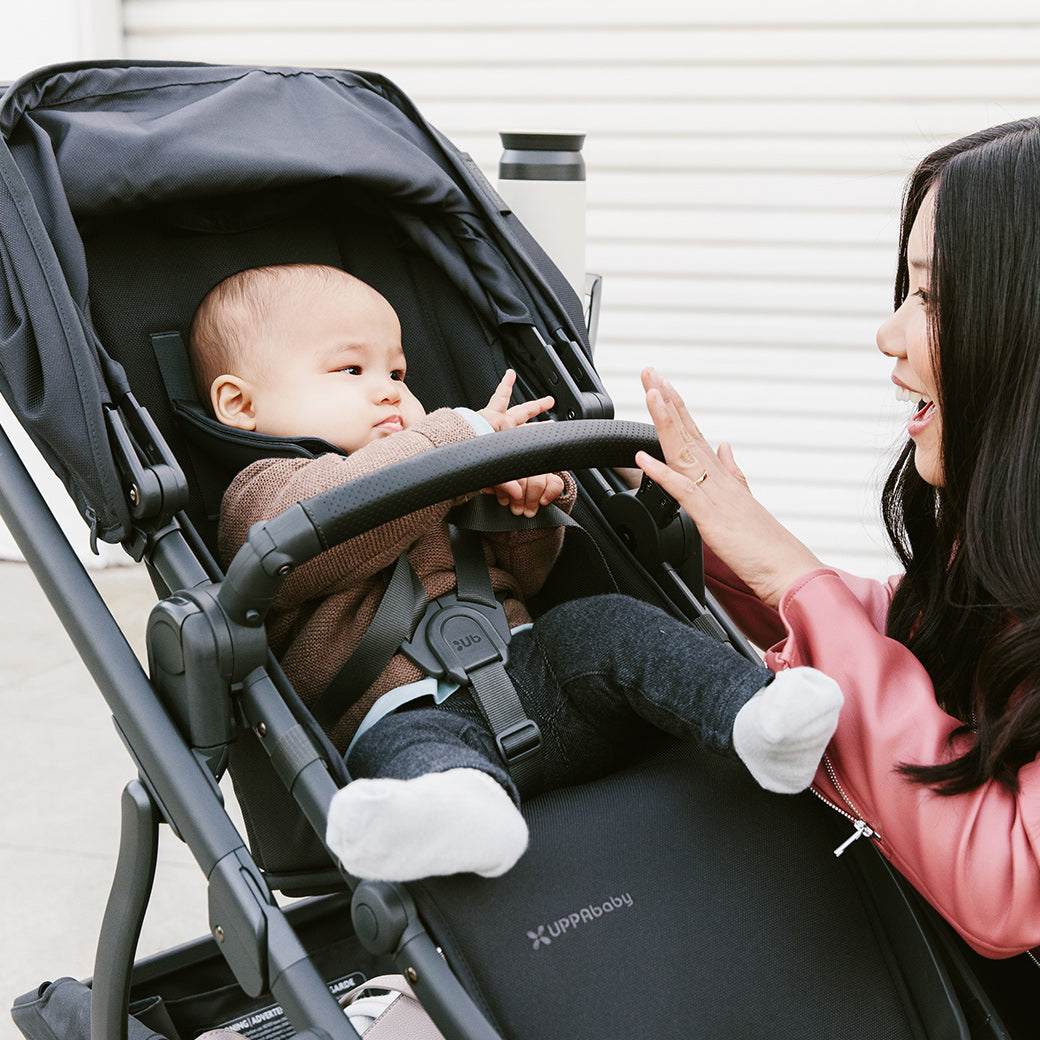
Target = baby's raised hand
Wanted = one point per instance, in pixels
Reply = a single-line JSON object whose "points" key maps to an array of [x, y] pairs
{"points": [[501, 416], [527, 495]]}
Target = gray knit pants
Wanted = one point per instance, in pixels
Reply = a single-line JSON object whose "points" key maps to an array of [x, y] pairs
{"points": [[598, 676]]}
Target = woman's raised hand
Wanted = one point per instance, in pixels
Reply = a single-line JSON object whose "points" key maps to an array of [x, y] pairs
{"points": [[712, 489]]}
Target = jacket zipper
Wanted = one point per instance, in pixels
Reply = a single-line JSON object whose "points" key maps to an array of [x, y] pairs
{"points": [[864, 830], [853, 815]]}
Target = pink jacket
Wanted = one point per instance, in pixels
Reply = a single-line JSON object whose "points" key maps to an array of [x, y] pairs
{"points": [[976, 856]]}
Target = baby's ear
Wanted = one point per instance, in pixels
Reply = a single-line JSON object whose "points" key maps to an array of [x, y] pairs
{"points": [[232, 401]]}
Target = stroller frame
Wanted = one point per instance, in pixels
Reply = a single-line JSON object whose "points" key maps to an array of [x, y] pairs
{"points": [[177, 782], [210, 670], [174, 779], [251, 929]]}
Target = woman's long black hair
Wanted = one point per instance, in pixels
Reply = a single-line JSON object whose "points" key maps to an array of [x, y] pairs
{"points": [[969, 605]]}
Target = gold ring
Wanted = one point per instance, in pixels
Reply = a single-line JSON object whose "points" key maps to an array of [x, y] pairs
{"points": [[701, 479]]}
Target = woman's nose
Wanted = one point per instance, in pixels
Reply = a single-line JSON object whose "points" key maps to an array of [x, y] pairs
{"points": [[890, 340]]}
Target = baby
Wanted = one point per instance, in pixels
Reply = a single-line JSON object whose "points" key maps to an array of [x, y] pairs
{"points": [[306, 350]]}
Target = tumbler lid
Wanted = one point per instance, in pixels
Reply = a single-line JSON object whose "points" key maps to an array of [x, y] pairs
{"points": [[541, 155], [543, 140]]}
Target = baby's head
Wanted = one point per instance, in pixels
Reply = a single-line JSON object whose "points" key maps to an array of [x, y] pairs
{"points": [[302, 350]]}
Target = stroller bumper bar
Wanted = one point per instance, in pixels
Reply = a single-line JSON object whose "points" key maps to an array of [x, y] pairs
{"points": [[274, 548]]}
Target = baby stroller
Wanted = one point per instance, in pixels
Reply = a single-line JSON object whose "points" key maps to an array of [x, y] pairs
{"points": [[671, 899]]}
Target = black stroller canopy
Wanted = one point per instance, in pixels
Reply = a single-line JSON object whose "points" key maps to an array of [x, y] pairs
{"points": [[84, 143]]}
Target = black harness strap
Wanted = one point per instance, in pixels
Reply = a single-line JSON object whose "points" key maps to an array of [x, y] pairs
{"points": [[171, 355], [483, 513], [593, 575], [472, 581], [174, 366], [402, 606], [463, 636], [518, 738]]}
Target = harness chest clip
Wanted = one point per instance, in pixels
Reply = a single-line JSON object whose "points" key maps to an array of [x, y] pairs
{"points": [[467, 641], [456, 637]]}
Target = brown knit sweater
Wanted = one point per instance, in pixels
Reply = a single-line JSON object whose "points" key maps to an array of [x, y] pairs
{"points": [[325, 606]]}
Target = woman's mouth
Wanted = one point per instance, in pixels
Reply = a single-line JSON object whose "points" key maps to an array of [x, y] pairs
{"points": [[923, 415]]}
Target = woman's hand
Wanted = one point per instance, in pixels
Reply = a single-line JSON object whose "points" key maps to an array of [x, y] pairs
{"points": [[526, 495], [712, 489]]}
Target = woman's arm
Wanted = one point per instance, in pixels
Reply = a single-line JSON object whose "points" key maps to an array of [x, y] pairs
{"points": [[974, 856], [761, 624]]}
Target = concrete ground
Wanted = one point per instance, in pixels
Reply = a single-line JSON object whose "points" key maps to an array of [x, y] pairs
{"points": [[63, 770]]}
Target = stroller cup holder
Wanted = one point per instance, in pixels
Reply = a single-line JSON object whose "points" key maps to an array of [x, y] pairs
{"points": [[652, 526]]}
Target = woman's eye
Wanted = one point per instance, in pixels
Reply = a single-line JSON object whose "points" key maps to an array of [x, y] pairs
{"points": [[924, 296]]}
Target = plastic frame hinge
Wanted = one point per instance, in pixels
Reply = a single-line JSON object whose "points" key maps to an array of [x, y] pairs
{"points": [[153, 482]]}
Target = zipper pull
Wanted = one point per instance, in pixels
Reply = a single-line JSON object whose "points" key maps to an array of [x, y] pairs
{"points": [[862, 830]]}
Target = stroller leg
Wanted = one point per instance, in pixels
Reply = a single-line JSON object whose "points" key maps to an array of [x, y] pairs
{"points": [[124, 914]]}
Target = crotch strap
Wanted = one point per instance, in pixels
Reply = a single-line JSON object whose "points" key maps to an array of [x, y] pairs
{"points": [[464, 637]]}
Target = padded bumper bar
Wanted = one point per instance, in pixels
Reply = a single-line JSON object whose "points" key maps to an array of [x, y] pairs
{"points": [[274, 548]]}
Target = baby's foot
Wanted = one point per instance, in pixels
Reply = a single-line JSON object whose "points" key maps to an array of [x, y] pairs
{"points": [[453, 822], [781, 733]]}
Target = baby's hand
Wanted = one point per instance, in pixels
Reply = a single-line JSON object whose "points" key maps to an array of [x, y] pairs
{"points": [[525, 496], [528, 494], [501, 416]]}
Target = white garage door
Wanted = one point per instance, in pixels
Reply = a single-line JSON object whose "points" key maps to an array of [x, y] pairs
{"points": [[745, 164]]}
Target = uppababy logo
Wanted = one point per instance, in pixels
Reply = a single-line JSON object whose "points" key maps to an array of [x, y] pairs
{"points": [[540, 938], [544, 934]]}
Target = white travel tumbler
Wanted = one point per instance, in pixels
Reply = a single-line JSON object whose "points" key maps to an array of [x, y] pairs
{"points": [[541, 176]]}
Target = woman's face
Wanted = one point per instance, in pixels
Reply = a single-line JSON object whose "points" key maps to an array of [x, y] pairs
{"points": [[906, 337]]}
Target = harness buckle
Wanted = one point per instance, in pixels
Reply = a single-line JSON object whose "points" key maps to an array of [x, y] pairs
{"points": [[455, 637]]}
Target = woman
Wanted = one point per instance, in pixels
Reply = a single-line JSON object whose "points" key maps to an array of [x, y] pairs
{"points": [[934, 754]]}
